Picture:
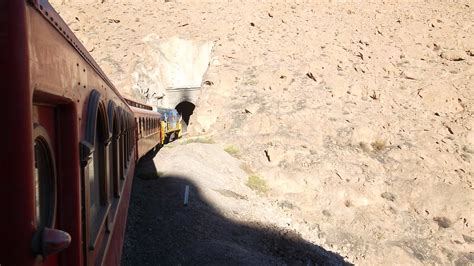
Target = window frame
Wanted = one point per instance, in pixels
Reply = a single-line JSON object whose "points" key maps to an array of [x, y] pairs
{"points": [[96, 114], [40, 134]]}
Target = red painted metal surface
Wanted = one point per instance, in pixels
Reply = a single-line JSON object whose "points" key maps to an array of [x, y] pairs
{"points": [[16, 226], [49, 79], [149, 136], [138, 104]]}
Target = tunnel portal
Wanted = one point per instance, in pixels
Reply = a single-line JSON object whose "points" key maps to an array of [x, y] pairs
{"points": [[185, 109]]}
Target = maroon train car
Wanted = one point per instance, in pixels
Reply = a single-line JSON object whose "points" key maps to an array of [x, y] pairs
{"points": [[69, 145], [148, 126]]}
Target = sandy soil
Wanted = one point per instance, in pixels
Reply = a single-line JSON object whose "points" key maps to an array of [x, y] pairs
{"points": [[358, 116], [218, 226]]}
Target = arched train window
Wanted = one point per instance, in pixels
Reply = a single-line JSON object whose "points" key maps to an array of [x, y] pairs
{"points": [[97, 174], [44, 182]]}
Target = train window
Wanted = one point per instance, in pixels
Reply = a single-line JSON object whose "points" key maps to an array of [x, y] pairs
{"points": [[126, 143], [94, 181], [125, 148], [139, 127], [129, 138], [44, 184], [136, 123], [122, 154], [97, 174], [132, 138], [94, 152], [115, 157], [146, 126]]}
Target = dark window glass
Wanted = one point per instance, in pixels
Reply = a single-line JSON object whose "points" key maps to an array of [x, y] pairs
{"points": [[122, 154], [141, 128], [126, 144], [44, 184], [96, 174], [115, 162], [94, 181]]}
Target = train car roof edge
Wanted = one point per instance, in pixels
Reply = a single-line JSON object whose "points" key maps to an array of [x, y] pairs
{"points": [[137, 110], [48, 12]]}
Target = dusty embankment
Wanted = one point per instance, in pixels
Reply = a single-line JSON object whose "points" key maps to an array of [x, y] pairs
{"points": [[224, 223], [354, 120]]}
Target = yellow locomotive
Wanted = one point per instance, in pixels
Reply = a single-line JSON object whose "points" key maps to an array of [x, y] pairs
{"points": [[171, 128]]}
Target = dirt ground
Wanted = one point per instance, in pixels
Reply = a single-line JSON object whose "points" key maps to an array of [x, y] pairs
{"points": [[161, 230], [347, 123]]}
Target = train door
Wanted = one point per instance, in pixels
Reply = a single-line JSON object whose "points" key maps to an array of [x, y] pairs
{"points": [[50, 237]]}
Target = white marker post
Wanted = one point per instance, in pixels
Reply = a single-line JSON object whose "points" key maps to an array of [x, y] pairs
{"points": [[186, 195]]}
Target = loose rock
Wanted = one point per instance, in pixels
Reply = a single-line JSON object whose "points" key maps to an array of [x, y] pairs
{"points": [[453, 55], [443, 222]]}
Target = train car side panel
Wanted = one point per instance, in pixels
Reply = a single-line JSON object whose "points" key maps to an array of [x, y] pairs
{"points": [[148, 130], [60, 74], [72, 144], [16, 225]]}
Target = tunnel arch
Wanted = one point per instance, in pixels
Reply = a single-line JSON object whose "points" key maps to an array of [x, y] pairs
{"points": [[185, 109]]}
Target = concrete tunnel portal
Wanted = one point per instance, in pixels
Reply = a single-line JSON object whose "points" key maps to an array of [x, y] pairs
{"points": [[184, 100], [174, 73]]}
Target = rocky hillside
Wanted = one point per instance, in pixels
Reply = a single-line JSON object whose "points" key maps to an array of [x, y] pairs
{"points": [[355, 119]]}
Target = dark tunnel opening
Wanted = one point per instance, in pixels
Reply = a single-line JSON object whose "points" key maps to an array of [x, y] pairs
{"points": [[185, 109]]}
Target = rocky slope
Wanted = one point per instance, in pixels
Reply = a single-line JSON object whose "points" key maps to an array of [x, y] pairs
{"points": [[358, 116]]}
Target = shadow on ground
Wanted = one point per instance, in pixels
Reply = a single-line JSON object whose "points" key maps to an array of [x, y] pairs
{"points": [[162, 231]]}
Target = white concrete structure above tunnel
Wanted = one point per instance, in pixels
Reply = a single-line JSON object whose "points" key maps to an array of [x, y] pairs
{"points": [[175, 96], [170, 71]]}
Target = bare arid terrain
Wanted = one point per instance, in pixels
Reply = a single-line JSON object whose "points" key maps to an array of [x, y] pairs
{"points": [[323, 131]]}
